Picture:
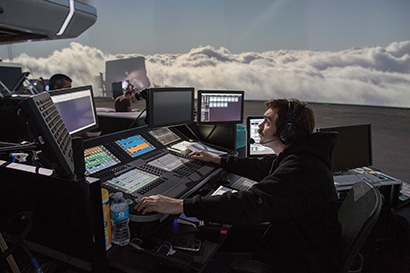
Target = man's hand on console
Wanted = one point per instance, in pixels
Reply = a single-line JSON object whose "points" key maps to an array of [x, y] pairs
{"points": [[160, 203], [205, 156]]}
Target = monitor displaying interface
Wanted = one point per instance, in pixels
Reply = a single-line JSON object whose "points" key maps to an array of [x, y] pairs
{"points": [[98, 159], [354, 147], [77, 109], [113, 152], [217, 106], [170, 106], [256, 149]]}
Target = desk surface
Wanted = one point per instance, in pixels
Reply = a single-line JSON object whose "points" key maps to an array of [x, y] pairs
{"points": [[153, 234], [129, 259]]}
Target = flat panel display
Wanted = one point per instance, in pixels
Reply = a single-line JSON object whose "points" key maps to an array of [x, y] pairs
{"points": [[164, 135], [256, 149], [170, 106], [220, 106], [354, 147], [98, 159], [135, 146], [131, 181], [77, 108], [168, 162]]}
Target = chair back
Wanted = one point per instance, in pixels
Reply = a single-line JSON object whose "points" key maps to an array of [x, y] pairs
{"points": [[357, 215]]}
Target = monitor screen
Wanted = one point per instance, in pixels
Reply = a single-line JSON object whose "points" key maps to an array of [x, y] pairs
{"points": [[77, 109], [255, 149], [10, 74], [217, 106], [98, 159], [135, 145], [354, 147], [170, 106]]}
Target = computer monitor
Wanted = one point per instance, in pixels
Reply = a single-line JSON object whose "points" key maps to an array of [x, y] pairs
{"points": [[354, 147], [10, 74], [170, 106], [77, 108], [218, 106], [255, 149]]}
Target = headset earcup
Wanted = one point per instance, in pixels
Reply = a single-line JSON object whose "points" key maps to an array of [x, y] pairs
{"points": [[288, 134]]}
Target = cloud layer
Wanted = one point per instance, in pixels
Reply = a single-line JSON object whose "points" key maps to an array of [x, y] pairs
{"points": [[371, 75]]}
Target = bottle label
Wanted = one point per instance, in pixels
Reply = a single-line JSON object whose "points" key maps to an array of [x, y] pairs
{"points": [[119, 215]]}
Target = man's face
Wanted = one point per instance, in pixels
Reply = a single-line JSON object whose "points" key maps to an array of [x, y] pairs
{"points": [[67, 84], [267, 129]]}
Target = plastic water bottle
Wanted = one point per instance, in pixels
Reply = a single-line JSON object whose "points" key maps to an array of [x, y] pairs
{"points": [[119, 220]]}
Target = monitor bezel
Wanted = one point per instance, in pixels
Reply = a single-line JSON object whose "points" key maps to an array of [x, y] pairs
{"points": [[74, 90], [248, 136], [337, 168], [222, 92], [150, 106]]}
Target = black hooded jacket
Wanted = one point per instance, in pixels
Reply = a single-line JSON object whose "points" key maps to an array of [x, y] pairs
{"points": [[296, 194]]}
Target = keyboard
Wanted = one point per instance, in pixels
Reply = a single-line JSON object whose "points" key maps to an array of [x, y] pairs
{"points": [[350, 179], [52, 134], [405, 192]]}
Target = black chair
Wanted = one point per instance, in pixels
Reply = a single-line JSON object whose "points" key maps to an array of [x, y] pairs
{"points": [[357, 215]]}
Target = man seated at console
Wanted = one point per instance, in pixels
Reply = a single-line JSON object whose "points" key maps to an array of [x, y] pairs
{"points": [[295, 193], [123, 102]]}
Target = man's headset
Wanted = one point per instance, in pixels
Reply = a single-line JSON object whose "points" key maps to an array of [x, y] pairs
{"points": [[288, 134]]}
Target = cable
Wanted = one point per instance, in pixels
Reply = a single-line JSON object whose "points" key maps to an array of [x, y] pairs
{"points": [[24, 147], [35, 160], [135, 120], [192, 132], [210, 133], [20, 243], [7, 143], [25, 215]]}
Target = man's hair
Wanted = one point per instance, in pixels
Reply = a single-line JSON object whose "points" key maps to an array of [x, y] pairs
{"points": [[58, 79], [305, 119]]}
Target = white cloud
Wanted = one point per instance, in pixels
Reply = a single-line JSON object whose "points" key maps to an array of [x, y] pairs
{"points": [[372, 75]]}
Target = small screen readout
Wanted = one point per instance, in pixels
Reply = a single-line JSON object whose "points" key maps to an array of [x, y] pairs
{"points": [[132, 180], [168, 162], [98, 159], [164, 135], [135, 145]]}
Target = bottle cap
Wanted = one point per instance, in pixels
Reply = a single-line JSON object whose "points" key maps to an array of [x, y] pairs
{"points": [[118, 194]]}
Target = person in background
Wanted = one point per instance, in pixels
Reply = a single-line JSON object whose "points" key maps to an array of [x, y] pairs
{"points": [[59, 81], [295, 195], [123, 103]]}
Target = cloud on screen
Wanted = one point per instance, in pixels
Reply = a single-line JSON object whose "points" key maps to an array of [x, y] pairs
{"points": [[371, 75]]}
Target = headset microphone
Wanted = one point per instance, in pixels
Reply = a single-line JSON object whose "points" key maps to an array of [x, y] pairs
{"points": [[252, 141]]}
